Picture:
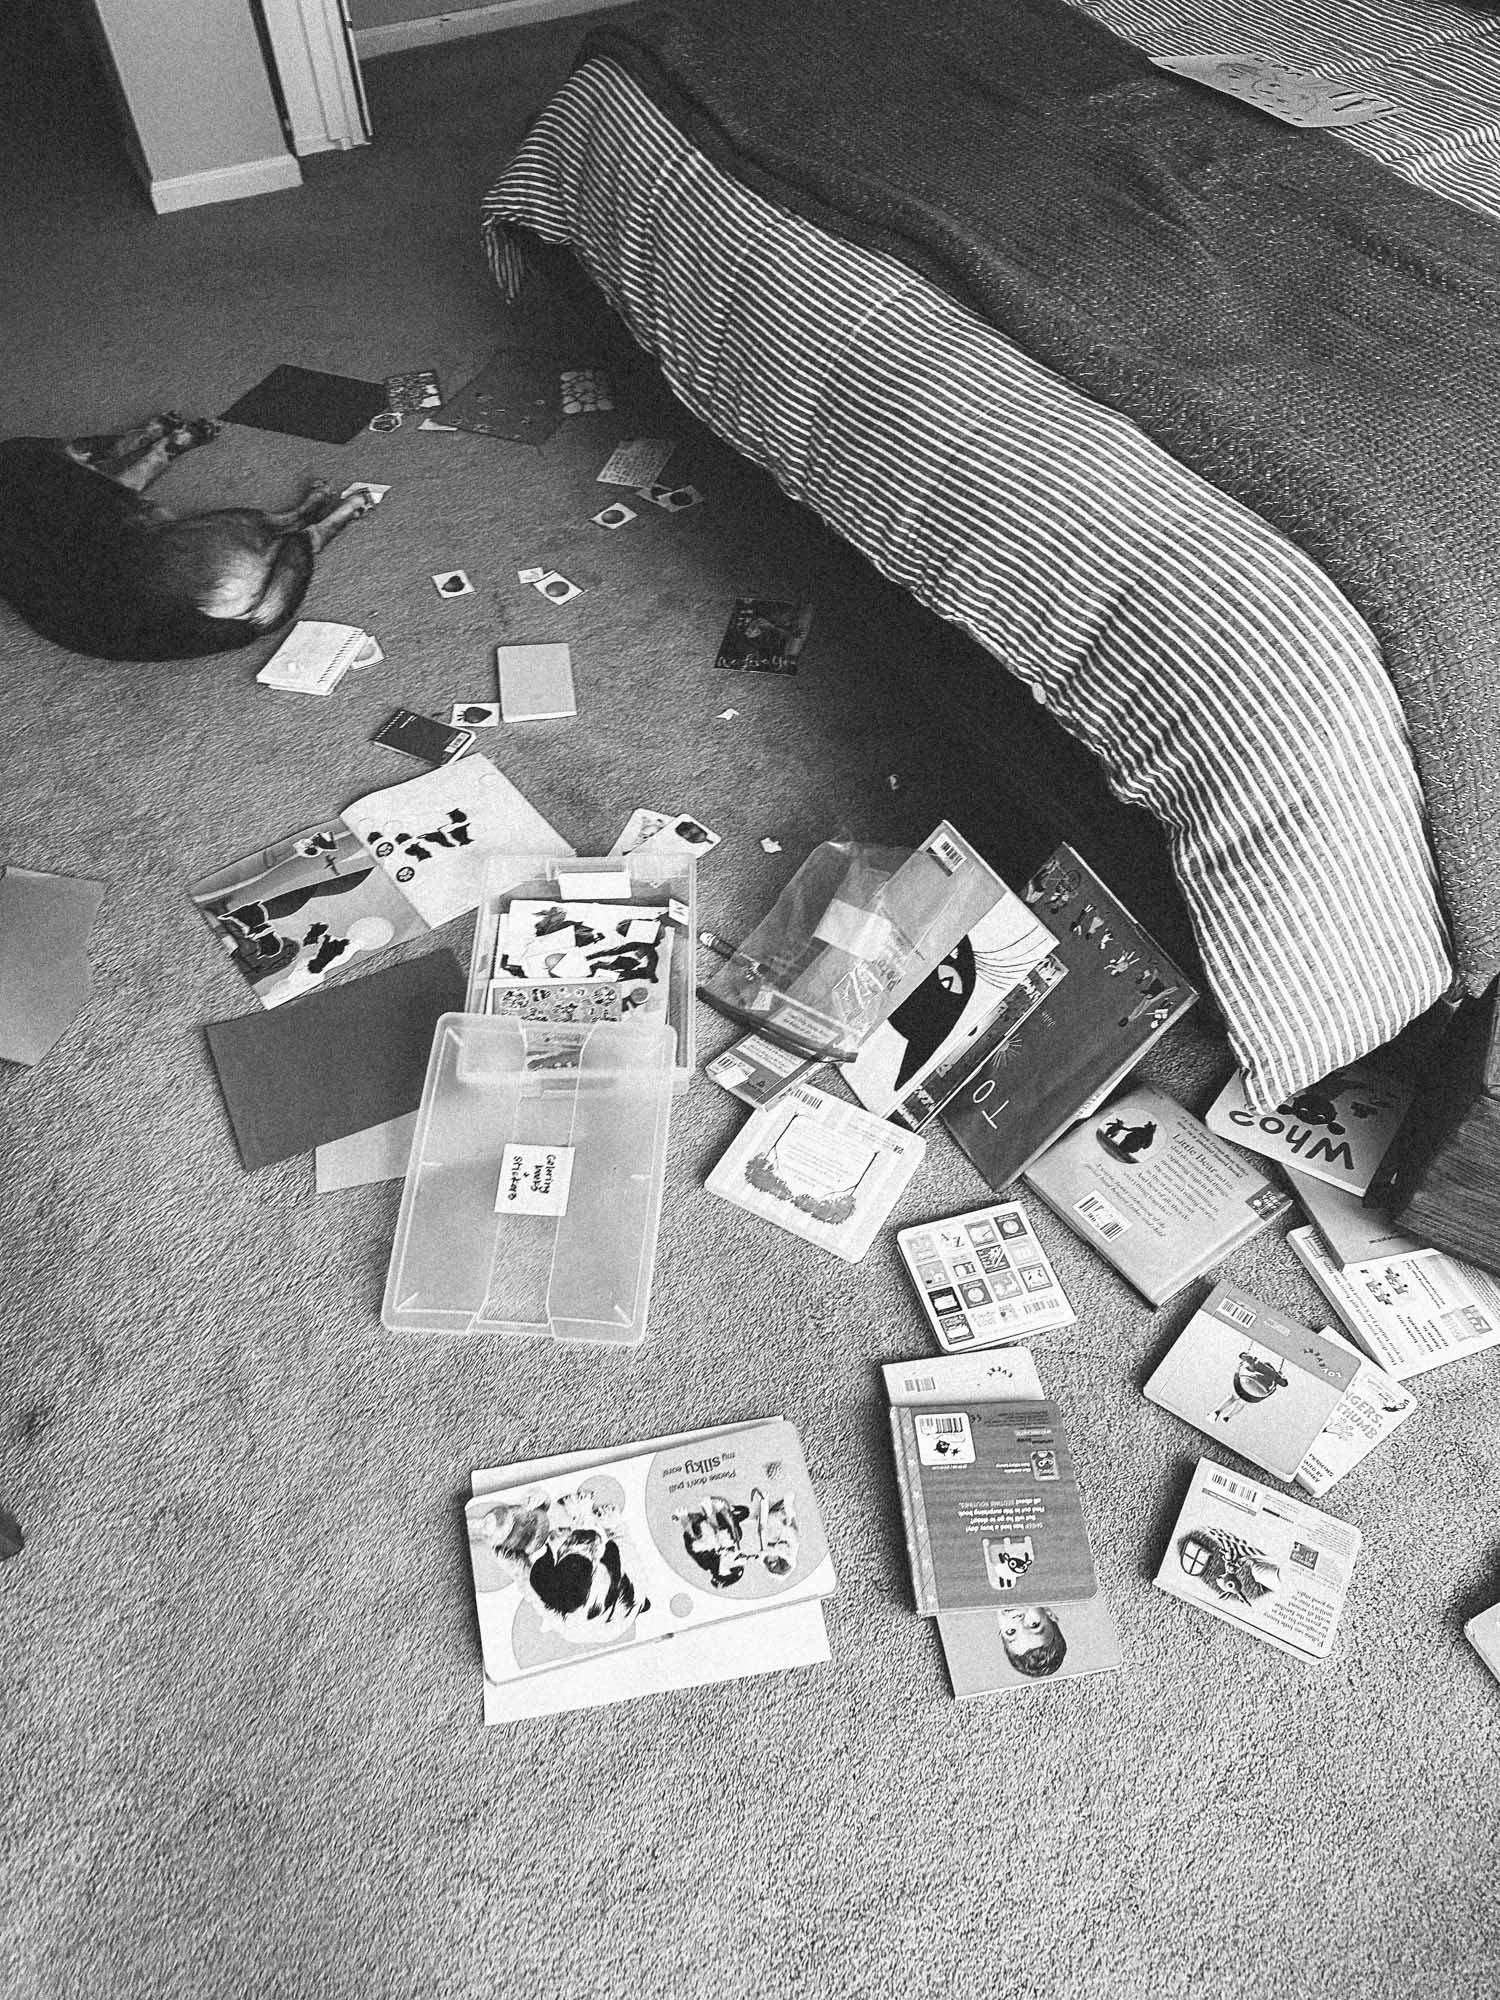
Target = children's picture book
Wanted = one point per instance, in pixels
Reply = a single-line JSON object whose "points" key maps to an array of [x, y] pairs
{"points": [[1005, 1646], [765, 635], [303, 910], [1149, 1187], [1302, 1405], [919, 1055], [315, 656], [1120, 995], [1408, 1313], [1339, 1131], [991, 1505], [434, 834], [824, 1169], [646, 1544], [1353, 1232], [1027, 1645], [1272, 1566], [773, 1640], [755, 1070], [625, 947], [983, 1277]]}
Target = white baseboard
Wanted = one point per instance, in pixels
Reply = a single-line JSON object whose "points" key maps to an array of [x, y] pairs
{"points": [[482, 20], [226, 183]]}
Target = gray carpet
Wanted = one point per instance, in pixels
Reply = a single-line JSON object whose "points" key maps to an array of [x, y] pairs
{"points": [[242, 1748]]}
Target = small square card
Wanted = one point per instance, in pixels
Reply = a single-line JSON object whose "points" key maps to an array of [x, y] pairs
{"points": [[1303, 1406], [1271, 1566], [536, 682], [664, 833], [765, 635], [984, 1278], [422, 736]]}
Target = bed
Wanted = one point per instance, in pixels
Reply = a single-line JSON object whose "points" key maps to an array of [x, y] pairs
{"points": [[1189, 417]]}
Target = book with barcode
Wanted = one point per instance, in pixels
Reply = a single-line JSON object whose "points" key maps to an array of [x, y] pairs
{"points": [[1269, 1565], [1149, 1187], [1408, 1313], [983, 1277], [991, 1505], [1120, 994]]}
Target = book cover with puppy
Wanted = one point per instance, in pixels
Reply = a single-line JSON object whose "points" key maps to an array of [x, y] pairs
{"points": [[644, 1546]]}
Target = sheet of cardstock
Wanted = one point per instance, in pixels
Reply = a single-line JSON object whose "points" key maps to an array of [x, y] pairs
{"points": [[338, 1062], [305, 402], [45, 922], [304, 910], [516, 395], [435, 834], [379, 1153]]}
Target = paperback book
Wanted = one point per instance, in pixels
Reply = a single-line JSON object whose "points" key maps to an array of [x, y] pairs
{"points": [[1352, 1232], [1302, 1405], [1408, 1313], [991, 1505], [1120, 994], [647, 1544], [1339, 1131], [983, 1277], [1005, 1646], [1271, 1566], [1149, 1187], [819, 1167]]}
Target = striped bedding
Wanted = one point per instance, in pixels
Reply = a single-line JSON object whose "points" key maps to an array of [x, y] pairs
{"points": [[1219, 677]]}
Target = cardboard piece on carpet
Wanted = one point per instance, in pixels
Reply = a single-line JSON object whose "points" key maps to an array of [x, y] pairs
{"points": [[516, 395], [45, 922], [379, 1153], [305, 402], [338, 1062]]}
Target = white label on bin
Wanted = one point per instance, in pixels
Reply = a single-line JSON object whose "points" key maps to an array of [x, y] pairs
{"points": [[594, 886], [534, 1180]]}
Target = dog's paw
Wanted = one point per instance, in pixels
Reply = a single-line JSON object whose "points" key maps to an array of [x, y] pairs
{"points": [[202, 430]]}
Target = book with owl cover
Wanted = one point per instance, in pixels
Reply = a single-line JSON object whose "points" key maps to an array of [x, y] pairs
{"points": [[822, 1168], [1149, 1187], [991, 1505], [1120, 994], [1271, 1566], [643, 1546]]}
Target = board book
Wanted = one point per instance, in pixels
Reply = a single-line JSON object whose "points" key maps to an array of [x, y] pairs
{"points": [[646, 1544], [1339, 1131], [1300, 1404], [1352, 1232], [1149, 1187], [991, 1505], [983, 1277], [1271, 1566], [819, 1167], [1408, 1313], [1120, 995]]}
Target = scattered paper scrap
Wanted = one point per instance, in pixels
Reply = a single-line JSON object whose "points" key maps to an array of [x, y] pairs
{"points": [[386, 420], [431, 424], [769, 846], [728, 714], [635, 463], [451, 583], [45, 922]]}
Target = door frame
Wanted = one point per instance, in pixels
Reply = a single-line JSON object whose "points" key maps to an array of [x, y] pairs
{"points": [[318, 70]]}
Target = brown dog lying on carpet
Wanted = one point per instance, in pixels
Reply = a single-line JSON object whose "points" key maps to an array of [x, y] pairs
{"points": [[92, 564]]}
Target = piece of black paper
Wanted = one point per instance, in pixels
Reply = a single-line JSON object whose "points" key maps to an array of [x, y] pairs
{"points": [[303, 402]]}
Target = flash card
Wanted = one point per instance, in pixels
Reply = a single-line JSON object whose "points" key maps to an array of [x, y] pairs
{"points": [[683, 836], [585, 390], [475, 715], [422, 736], [417, 389], [452, 583], [555, 587], [640, 826], [671, 499], [984, 1278], [635, 463], [615, 515], [536, 682]]}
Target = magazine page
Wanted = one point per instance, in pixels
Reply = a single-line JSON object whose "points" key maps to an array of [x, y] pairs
{"points": [[1271, 1566], [642, 1546]]}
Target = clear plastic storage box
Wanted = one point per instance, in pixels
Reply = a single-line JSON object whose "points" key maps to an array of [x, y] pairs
{"points": [[533, 1192], [615, 883]]}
